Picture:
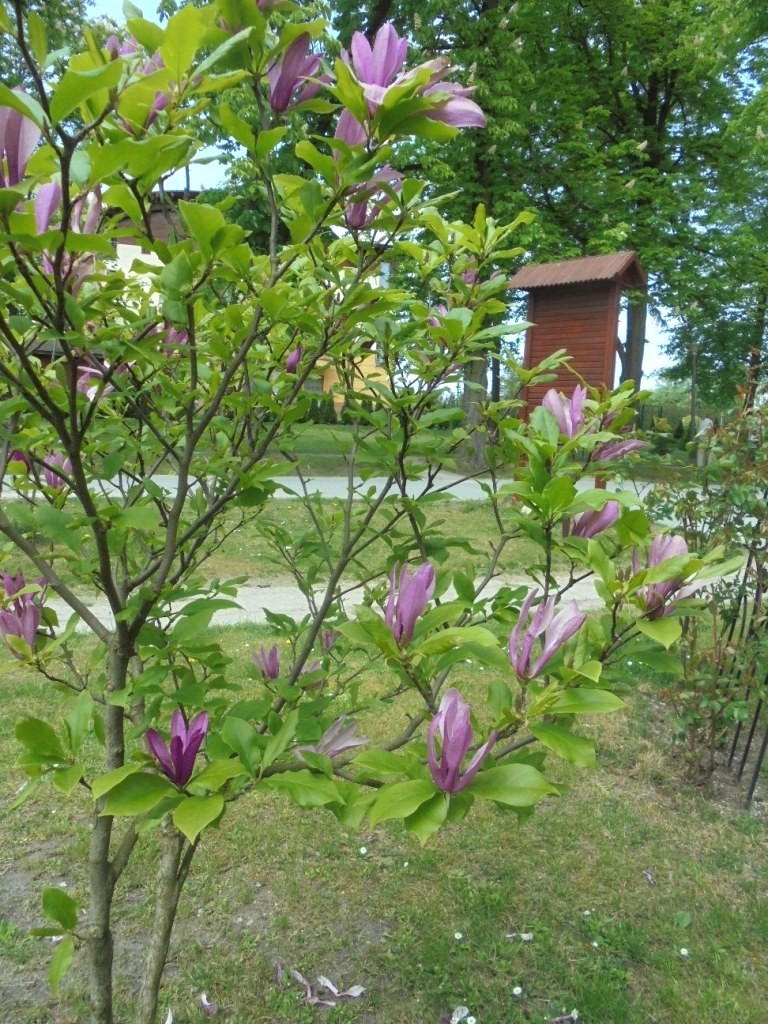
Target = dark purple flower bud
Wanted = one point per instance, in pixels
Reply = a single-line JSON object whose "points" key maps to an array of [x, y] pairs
{"points": [[592, 522], [569, 412], [178, 762], [293, 360], [407, 600], [451, 724], [365, 201], [18, 137], [617, 449], [267, 661], [289, 76], [330, 636], [553, 629], [337, 739], [18, 461]]}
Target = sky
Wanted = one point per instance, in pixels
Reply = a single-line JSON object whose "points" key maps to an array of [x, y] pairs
{"points": [[212, 171]]}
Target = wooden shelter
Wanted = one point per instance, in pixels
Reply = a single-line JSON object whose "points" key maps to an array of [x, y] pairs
{"points": [[574, 305]]}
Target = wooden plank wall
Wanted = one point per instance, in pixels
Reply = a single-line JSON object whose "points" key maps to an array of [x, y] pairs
{"points": [[581, 318]]}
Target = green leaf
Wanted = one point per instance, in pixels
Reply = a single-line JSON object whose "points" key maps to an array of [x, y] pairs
{"points": [[246, 742], [304, 788], [60, 908], [515, 785], [216, 774], [456, 636], [24, 103], [279, 743], [381, 764], [66, 779], [182, 39], [40, 739], [195, 813], [425, 821], [137, 794], [584, 701], [61, 962], [664, 631], [267, 140], [575, 749], [77, 86], [38, 39], [401, 800], [106, 782]]}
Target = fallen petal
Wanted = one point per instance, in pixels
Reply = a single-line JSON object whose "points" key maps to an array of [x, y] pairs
{"points": [[324, 982], [207, 1006]]}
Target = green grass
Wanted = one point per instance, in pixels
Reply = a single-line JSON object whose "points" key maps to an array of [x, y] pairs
{"points": [[279, 884], [247, 552]]}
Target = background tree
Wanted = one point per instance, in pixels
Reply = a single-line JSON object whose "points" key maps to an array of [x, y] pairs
{"points": [[610, 120]]}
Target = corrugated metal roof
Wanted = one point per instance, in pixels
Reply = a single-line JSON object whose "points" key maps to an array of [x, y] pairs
{"points": [[587, 268]]}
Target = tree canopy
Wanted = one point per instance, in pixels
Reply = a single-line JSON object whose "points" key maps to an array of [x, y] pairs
{"points": [[614, 122]]}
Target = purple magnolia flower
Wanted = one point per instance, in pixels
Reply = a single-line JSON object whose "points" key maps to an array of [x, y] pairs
{"points": [[289, 76], [293, 360], [267, 661], [53, 479], [569, 412], [407, 600], [658, 597], [592, 522], [84, 220], [378, 69], [22, 619], [608, 450], [553, 629], [18, 137], [337, 739], [451, 724], [452, 103], [179, 762], [47, 202], [116, 48], [365, 201]]}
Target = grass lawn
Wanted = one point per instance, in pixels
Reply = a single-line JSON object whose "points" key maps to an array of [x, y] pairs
{"points": [[246, 552], [586, 906]]}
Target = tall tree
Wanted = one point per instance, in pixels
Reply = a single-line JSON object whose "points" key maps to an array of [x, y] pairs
{"points": [[609, 119], [59, 22]]}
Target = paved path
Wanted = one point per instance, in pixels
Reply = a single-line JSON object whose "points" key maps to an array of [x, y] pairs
{"points": [[254, 600]]}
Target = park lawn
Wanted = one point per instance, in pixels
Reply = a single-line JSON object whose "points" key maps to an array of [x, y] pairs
{"points": [[611, 882], [245, 552]]}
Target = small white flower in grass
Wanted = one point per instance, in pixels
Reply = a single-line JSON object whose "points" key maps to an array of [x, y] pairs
{"points": [[363, 850], [405, 863], [595, 943], [526, 936], [517, 991], [586, 913], [685, 953], [458, 936], [471, 1020]]}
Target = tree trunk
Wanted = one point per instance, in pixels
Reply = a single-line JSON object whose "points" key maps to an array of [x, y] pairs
{"points": [[632, 363], [475, 392], [755, 368], [167, 894]]}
